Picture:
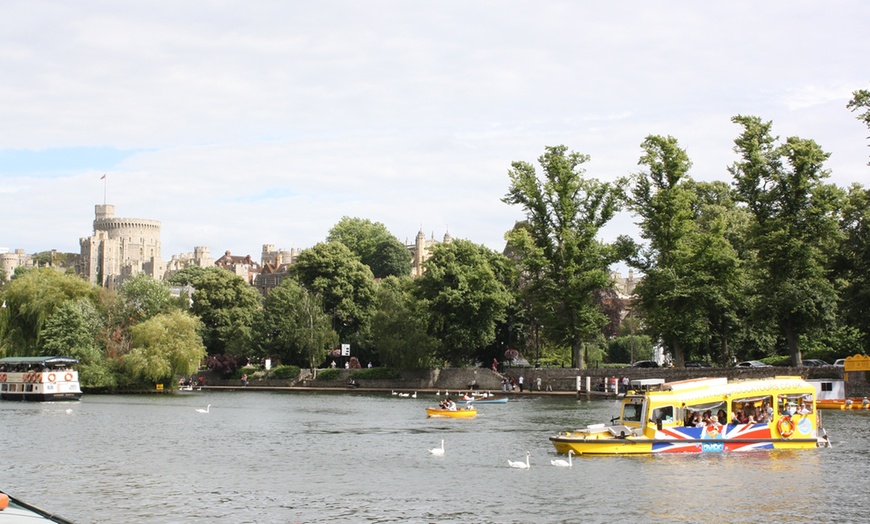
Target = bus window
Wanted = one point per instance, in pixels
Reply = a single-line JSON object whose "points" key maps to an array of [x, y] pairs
{"points": [[664, 414], [752, 410], [631, 412]]}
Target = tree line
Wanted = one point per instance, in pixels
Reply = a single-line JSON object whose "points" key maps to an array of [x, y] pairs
{"points": [[772, 262]]}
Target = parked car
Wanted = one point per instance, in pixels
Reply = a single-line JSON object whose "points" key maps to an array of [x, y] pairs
{"points": [[752, 364], [696, 364], [645, 364], [840, 362], [814, 362]]}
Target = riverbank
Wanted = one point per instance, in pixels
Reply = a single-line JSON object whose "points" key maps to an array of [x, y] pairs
{"points": [[536, 381]]}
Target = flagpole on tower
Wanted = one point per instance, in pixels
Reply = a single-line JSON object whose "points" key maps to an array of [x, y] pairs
{"points": [[105, 182]]}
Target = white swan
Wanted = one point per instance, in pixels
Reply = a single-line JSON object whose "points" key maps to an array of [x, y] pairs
{"points": [[404, 395], [438, 393], [394, 393], [520, 464], [564, 463], [438, 451], [414, 395], [200, 410]]}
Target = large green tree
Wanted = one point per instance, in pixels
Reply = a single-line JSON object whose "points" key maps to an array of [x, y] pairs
{"points": [[564, 264], [793, 231], [465, 298], [852, 264], [861, 102], [228, 307], [375, 246], [345, 285], [31, 298], [660, 197], [399, 327], [294, 326], [76, 330]]}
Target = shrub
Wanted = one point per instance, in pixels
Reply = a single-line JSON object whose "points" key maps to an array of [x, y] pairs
{"points": [[285, 372], [375, 374], [328, 374]]}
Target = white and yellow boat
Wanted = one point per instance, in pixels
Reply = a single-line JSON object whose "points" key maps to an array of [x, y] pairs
{"points": [[782, 409]]}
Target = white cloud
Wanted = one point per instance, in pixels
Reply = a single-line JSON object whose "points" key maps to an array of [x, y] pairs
{"points": [[268, 122]]}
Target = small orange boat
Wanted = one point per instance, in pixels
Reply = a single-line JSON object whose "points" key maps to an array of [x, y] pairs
{"points": [[451, 413]]}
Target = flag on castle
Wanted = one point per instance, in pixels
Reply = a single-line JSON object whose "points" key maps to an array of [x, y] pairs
{"points": [[103, 177]]}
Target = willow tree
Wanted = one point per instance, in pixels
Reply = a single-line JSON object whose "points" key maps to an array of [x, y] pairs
{"points": [[564, 265]]}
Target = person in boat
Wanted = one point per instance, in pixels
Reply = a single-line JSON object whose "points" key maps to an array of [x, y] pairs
{"points": [[449, 405], [722, 416]]}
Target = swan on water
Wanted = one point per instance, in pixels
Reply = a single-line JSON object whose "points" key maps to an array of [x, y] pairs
{"points": [[520, 464], [394, 393], [200, 410], [438, 451], [414, 395], [564, 463]]}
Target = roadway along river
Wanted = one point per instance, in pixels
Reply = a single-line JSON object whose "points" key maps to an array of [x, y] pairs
{"points": [[342, 457]]}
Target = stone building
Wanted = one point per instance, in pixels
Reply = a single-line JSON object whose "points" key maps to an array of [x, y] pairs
{"points": [[275, 267], [245, 267], [10, 261], [421, 250], [201, 257], [120, 248]]}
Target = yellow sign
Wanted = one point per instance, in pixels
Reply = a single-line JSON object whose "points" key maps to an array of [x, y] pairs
{"points": [[159, 387], [857, 363]]}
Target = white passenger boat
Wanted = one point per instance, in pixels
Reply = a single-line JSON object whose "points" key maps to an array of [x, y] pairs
{"points": [[39, 379]]}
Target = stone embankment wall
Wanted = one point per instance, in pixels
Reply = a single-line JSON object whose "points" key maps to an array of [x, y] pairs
{"points": [[553, 379]]}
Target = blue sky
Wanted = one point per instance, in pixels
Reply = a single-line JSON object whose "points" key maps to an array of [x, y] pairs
{"points": [[242, 124]]}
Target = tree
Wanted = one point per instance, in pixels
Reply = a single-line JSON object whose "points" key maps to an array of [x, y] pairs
{"points": [[563, 263], [793, 228], [852, 263], [294, 326], [228, 307], [32, 297], [345, 285], [861, 101], [165, 347], [142, 297], [660, 198], [399, 328], [375, 246], [464, 298]]}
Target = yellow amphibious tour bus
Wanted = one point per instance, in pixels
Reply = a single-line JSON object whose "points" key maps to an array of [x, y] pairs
{"points": [[706, 415]]}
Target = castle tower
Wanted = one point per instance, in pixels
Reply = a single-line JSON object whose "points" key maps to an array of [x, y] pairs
{"points": [[120, 248]]}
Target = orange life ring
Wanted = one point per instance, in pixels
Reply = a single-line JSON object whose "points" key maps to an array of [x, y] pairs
{"points": [[67, 377], [51, 377], [785, 426], [28, 377], [2, 377]]}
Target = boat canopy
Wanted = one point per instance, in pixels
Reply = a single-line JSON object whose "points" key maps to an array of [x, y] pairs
{"points": [[48, 362]]}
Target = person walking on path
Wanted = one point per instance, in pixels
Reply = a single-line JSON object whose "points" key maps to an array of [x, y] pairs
{"points": [[520, 382]]}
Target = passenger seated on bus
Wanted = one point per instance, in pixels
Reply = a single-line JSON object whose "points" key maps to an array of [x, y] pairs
{"points": [[713, 421], [721, 416], [740, 417], [804, 410], [705, 418]]}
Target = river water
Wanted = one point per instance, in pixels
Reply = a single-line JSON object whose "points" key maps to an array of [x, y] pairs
{"points": [[286, 457]]}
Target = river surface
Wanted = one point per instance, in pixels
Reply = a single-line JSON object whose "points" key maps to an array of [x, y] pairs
{"points": [[286, 457]]}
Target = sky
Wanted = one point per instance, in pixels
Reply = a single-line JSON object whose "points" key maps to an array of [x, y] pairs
{"points": [[237, 124]]}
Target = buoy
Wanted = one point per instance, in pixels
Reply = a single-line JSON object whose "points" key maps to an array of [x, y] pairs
{"points": [[4, 501]]}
